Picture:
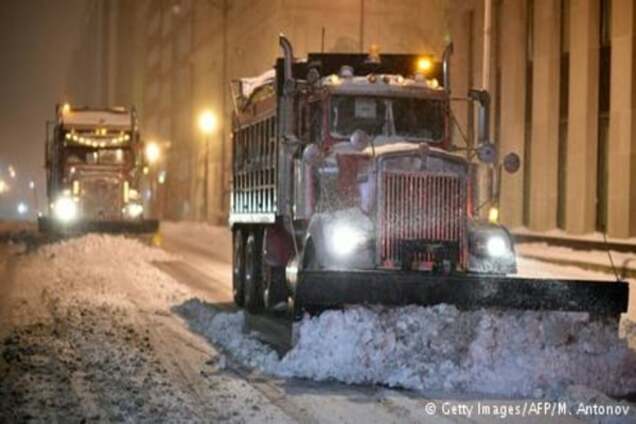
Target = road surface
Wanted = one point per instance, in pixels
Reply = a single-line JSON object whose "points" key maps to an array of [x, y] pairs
{"points": [[89, 334]]}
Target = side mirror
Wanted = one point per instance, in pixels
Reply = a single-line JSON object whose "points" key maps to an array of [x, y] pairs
{"points": [[483, 125], [512, 163], [487, 153]]}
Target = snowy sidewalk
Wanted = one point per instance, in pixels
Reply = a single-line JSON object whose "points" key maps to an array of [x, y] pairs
{"points": [[593, 260]]}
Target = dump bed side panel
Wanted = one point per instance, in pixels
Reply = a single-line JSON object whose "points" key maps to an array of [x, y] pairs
{"points": [[255, 144]]}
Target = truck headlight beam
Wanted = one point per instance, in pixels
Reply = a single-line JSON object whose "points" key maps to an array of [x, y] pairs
{"points": [[497, 247], [65, 209], [345, 240]]}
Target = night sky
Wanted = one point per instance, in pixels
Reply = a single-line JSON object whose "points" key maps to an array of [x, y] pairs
{"points": [[37, 39]]}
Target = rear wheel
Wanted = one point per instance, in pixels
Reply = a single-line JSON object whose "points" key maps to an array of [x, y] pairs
{"points": [[238, 274], [253, 266]]}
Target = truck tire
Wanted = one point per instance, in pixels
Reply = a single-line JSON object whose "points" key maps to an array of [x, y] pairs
{"points": [[238, 268], [253, 266], [274, 285]]}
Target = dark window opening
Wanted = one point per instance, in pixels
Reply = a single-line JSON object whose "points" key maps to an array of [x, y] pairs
{"points": [[604, 75], [528, 117], [564, 94]]}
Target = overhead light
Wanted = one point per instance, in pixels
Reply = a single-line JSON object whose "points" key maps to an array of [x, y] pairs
{"points": [[424, 64], [22, 208], [207, 122], [152, 152]]}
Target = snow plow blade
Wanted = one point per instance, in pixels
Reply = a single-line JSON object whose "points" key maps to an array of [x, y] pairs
{"points": [[318, 290], [49, 226]]}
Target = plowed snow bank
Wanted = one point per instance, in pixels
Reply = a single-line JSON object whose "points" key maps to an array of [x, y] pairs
{"points": [[535, 354]]}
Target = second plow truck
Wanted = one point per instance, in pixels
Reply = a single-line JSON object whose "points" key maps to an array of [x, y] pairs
{"points": [[347, 190], [94, 170]]}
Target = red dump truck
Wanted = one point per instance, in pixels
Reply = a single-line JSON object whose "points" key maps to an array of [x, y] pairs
{"points": [[347, 189], [94, 167]]}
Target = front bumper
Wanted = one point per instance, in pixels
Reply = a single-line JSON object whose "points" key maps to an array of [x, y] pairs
{"points": [[317, 290], [51, 226]]}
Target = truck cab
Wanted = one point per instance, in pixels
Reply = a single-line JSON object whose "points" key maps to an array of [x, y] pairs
{"points": [[344, 163], [94, 168]]}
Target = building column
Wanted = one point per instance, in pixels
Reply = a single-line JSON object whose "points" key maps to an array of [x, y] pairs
{"points": [[582, 141], [544, 145], [621, 208], [460, 65], [513, 105]]}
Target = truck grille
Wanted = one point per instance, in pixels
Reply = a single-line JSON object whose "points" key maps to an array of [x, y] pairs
{"points": [[101, 198], [420, 206]]}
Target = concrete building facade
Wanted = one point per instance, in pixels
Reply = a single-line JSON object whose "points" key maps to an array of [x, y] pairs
{"points": [[562, 83]]}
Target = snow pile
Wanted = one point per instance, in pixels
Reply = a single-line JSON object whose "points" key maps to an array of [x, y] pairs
{"points": [[113, 269], [510, 353], [521, 353], [226, 330], [103, 247]]}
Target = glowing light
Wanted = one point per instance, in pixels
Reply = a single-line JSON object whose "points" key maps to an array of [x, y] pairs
{"points": [[22, 208], [134, 210], [207, 122], [4, 187], [76, 188], [433, 83], [32, 185], [424, 64], [374, 54], [493, 215], [66, 108], [153, 152], [126, 191], [497, 246], [344, 240], [161, 178], [65, 209], [11, 171]]}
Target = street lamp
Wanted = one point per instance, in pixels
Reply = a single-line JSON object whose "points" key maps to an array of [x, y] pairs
{"points": [[207, 125], [152, 152]]}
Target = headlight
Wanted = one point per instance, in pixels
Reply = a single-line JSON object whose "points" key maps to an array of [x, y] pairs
{"points": [[65, 209], [497, 247], [134, 210], [344, 239]]}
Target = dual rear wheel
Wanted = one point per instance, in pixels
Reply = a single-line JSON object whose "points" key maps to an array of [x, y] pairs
{"points": [[255, 284]]}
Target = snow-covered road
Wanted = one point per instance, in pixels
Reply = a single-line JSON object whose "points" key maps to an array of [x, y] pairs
{"points": [[104, 328]]}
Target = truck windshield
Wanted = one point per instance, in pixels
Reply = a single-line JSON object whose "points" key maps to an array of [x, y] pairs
{"points": [[412, 118], [349, 113], [98, 157]]}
